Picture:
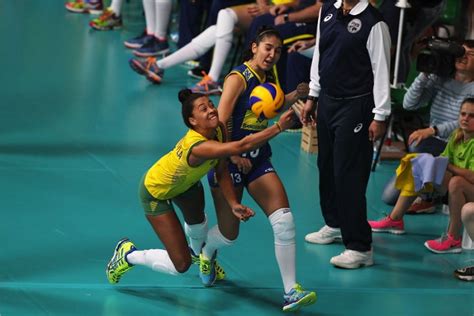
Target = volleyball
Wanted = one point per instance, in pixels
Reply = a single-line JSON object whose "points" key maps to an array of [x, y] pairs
{"points": [[266, 100]]}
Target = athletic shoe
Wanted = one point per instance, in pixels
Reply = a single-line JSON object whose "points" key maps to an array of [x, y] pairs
{"points": [[325, 235], [80, 6], [444, 244], [388, 225], [207, 86], [466, 274], [147, 68], [153, 47], [297, 297], [420, 206], [107, 21], [220, 273], [138, 41], [352, 259], [197, 72], [207, 270], [118, 264]]}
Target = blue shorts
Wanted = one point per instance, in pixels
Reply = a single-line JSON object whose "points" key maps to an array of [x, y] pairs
{"points": [[239, 178]]}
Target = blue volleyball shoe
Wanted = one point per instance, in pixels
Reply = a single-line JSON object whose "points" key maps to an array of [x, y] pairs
{"points": [[297, 297]]}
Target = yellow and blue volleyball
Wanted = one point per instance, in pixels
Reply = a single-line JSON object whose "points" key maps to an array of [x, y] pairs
{"points": [[266, 100]]}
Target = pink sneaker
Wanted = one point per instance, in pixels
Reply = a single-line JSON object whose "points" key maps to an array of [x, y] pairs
{"points": [[444, 244], [387, 225]]}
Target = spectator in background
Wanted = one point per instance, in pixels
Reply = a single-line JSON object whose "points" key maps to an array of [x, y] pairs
{"points": [[444, 96], [458, 182], [110, 19], [153, 41]]}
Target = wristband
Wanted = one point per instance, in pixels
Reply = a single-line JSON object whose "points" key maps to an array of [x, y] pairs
{"points": [[435, 129], [279, 126], [312, 98], [286, 17]]}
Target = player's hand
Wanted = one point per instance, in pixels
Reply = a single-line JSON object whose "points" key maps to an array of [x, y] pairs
{"points": [[308, 113], [420, 134], [301, 45], [257, 10], [278, 9], [242, 212], [243, 164], [287, 119], [376, 130]]}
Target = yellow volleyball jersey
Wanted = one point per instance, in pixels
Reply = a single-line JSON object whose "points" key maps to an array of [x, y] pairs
{"points": [[172, 175]]}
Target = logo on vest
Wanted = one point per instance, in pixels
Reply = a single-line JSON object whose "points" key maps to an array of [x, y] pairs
{"points": [[354, 26], [328, 17], [358, 128]]}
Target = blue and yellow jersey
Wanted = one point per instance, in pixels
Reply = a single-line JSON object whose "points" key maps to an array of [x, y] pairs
{"points": [[172, 175], [243, 121]]}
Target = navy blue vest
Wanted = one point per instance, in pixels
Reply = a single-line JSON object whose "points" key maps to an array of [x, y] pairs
{"points": [[344, 66]]}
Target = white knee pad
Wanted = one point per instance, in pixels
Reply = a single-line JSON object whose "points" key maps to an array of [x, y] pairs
{"points": [[283, 227], [204, 41], [197, 231], [226, 21]]}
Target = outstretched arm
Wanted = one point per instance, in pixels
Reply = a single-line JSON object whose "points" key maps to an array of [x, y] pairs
{"points": [[213, 149], [225, 182]]}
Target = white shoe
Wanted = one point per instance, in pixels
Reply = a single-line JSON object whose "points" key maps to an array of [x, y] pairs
{"points": [[351, 259], [325, 235]]}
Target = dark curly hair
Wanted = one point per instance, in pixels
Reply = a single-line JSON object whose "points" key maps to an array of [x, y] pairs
{"points": [[187, 98]]}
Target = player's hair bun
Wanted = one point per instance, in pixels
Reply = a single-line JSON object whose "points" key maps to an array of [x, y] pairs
{"points": [[184, 94]]}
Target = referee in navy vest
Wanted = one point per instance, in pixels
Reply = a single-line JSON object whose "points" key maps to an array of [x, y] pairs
{"points": [[349, 101]]}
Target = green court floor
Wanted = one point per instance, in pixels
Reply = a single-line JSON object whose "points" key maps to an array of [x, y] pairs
{"points": [[78, 129]]}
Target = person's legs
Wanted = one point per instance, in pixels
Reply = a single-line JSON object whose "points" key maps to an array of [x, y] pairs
{"points": [[431, 145], [325, 161], [217, 5], [352, 160], [467, 215], [226, 21], [269, 193], [176, 258]]}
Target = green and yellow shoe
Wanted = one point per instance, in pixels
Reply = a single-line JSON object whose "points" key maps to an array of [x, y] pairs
{"points": [[207, 269], [298, 297], [220, 273], [118, 264]]}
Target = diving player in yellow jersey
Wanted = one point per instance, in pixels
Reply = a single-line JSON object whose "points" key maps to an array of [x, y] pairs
{"points": [[175, 179]]}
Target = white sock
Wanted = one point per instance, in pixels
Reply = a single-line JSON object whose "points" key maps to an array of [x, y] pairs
{"points": [[149, 8], [215, 240], [192, 51], [285, 246], [155, 259], [116, 7], [226, 21], [197, 235], [162, 17]]}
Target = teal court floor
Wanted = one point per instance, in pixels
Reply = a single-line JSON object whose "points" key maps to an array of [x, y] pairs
{"points": [[78, 129]]}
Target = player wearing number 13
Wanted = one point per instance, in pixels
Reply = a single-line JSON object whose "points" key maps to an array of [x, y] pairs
{"points": [[254, 169]]}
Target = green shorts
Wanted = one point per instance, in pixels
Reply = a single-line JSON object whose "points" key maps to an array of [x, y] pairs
{"points": [[153, 206]]}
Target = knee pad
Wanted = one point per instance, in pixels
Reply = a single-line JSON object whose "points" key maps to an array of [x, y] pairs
{"points": [[226, 21], [283, 227]]}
